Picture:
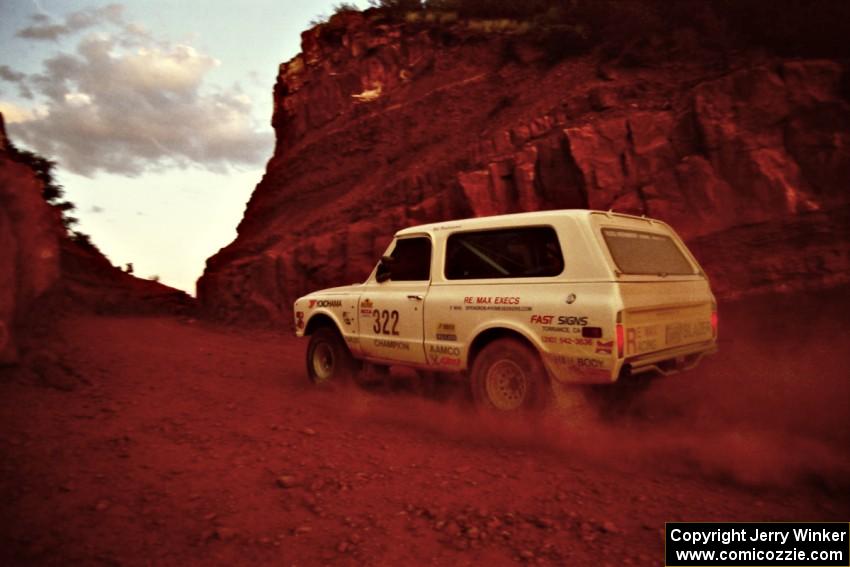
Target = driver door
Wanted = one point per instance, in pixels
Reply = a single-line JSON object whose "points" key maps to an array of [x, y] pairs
{"points": [[392, 311]]}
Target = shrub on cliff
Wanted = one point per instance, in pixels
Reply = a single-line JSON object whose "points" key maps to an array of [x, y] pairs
{"points": [[630, 29], [52, 192]]}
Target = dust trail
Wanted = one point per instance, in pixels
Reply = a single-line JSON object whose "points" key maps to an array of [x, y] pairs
{"points": [[748, 457], [771, 410]]}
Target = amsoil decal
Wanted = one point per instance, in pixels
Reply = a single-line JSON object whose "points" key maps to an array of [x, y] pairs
{"points": [[447, 337], [325, 303]]}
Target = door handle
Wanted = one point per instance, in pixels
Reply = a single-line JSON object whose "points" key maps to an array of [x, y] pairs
{"points": [[415, 297]]}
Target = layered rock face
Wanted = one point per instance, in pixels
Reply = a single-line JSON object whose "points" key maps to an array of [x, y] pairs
{"points": [[29, 248], [38, 260], [382, 126]]}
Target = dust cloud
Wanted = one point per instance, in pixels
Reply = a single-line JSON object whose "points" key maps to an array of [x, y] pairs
{"points": [[769, 410]]}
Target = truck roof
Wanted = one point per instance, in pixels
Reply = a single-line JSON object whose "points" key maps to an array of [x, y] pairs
{"points": [[498, 221]]}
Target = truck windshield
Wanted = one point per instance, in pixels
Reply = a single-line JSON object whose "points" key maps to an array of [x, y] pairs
{"points": [[645, 253]]}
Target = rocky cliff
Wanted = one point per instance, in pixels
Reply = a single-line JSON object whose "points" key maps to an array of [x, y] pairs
{"points": [[44, 272], [384, 125], [29, 247]]}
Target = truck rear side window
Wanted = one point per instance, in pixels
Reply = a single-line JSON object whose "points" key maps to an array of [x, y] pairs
{"points": [[526, 252], [644, 253]]}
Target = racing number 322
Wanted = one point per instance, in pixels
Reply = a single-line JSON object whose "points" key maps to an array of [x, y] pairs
{"points": [[382, 319]]}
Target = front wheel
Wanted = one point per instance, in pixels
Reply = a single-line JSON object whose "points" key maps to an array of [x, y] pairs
{"points": [[328, 358], [508, 377]]}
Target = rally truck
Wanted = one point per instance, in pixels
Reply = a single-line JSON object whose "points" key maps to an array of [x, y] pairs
{"points": [[518, 305]]}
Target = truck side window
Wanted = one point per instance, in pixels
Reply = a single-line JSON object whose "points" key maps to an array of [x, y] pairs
{"points": [[412, 260], [525, 252]]}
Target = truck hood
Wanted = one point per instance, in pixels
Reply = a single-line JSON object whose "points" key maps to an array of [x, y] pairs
{"points": [[340, 290]]}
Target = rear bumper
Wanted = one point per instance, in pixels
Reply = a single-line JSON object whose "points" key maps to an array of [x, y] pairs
{"points": [[669, 361]]}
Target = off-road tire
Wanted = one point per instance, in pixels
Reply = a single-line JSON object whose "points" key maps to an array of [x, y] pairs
{"points": [[328, 359], [508, 377]]}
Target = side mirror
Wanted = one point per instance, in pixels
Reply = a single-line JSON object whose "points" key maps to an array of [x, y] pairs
{"points": [[383, 274]]}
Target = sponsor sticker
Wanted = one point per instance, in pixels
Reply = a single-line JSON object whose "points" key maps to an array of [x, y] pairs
{"points": [[491, 300], [604, 347], [574, 341], [440, 360], [397, 345], [325, 303], [642, 339], [560, 320], [444, 349], [366, 308], [575, 330], [589, 363], [588, 367]]}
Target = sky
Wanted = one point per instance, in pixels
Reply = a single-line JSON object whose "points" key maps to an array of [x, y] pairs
{"points": [[156, 112]]}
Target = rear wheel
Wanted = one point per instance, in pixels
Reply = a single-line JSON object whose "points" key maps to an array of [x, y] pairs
{"points": [[328, 358], [508, 377]]}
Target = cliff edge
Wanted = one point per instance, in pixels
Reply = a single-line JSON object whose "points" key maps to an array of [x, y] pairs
{"points": [[381, 125], [45, 271]]}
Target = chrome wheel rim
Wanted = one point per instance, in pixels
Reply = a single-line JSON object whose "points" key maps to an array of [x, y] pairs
{"points": [[323, 361], [507, 385]]}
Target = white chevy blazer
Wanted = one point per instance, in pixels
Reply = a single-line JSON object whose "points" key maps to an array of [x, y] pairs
{"points": [[519, 303]]}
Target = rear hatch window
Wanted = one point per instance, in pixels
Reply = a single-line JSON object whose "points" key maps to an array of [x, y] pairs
{"points": [[646, 253]]}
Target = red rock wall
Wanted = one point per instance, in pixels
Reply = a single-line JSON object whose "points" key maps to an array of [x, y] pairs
{"points": [[384, 126], [37, 256], [29, 248]]}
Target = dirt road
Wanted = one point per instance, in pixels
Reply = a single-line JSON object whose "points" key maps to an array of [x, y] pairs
{"points": [[188, 444]]}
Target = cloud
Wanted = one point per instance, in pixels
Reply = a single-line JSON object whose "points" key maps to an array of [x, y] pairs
{"points": [[9, 74], [15, 114], [20, 79], [44, 28], [111, 107]]}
